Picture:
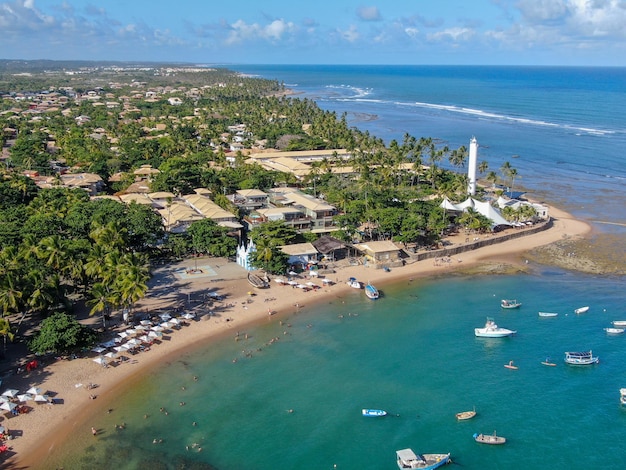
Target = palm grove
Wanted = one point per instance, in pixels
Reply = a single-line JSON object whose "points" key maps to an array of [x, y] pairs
{"points": [[58, 246]]}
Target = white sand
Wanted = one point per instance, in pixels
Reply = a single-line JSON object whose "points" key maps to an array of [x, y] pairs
{"points": [[50, 425]]}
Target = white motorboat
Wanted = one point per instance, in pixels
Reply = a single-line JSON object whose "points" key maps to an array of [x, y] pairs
{"points": [[506, 303], [352, 282], [614, 331], [584, 358], [548, 314], [619, 323], [491, 330], [581, 309], [371, 413], [622, 396], [406, 458]]}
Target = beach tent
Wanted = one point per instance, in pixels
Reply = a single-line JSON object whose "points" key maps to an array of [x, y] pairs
{"points": [[25, 397], [100, 360], [11, 392], [449, 206], [34, 391], [491, 213]]}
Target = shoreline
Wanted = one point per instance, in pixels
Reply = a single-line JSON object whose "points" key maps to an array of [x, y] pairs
{"points": [[50, 426]]}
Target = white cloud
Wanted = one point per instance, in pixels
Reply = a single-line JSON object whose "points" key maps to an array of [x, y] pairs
{"points": [[369, 14], [454, 34], [241, 31], [350, 35]]}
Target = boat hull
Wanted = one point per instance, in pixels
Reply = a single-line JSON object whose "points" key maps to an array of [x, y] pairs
{"points": [[581, 310], [406, 458], [373, 413], [371, 292], [619, 323], [465, 415], [581, 358], [499, 333], [491, 439], [509, 304], [614, 331], [548, 314]]}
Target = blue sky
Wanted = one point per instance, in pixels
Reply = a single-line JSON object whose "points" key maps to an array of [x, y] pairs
{"points": [[529, 32]]}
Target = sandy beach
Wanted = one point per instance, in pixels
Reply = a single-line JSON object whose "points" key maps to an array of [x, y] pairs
{"points": [[173, 289]]}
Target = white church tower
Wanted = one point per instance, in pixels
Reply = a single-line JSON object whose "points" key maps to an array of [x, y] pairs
{"points": [[471, 167]]}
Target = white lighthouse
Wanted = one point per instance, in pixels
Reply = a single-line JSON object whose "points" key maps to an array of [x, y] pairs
{"points": [[471, 167]]}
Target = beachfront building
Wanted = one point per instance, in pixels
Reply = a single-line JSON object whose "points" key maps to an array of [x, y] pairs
{"points": [[319, 212], [330, 247], [300, 254], [290, 216], [380, 254]]}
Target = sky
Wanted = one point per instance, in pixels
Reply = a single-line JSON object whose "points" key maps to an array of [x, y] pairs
{"points": [[455, 32]]}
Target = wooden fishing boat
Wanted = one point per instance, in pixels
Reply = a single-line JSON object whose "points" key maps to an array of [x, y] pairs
{"points": [[507, 303], [371, 292], [548, 314], [465, 415], [406, 458], [258, 281], [492, 439]]}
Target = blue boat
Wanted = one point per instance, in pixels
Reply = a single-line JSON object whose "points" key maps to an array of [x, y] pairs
{"points": [[370, 413], [371, 292]]}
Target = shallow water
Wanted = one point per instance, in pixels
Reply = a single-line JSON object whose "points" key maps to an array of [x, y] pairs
{"points": [[412, 353]]}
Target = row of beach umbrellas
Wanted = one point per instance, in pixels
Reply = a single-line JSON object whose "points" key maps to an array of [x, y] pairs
{"points": [[32, 394]]}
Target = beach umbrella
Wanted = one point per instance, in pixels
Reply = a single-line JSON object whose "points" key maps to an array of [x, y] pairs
{"points": [[123, 335], [293, 273], [157, 328], [121, 348], [10, 392], [3, 398], [165, 325], [100, 360], [326, 281], [133, 343], [155, 334], [165, 316], [111, 355], [292, 283], [144, 338], [25, 397], [140, 328], [189, 316], [109, 344], [7, 405], [34, 390], [279, 280], [301, 286], [98, 349], [41, 398], [312, 284], [131, 332], [314, 273], [145, 322], [174, 321]]}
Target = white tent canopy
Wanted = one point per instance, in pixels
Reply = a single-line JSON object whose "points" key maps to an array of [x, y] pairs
{"points": [[483, 208]]}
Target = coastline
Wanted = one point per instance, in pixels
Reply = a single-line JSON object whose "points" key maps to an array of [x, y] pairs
{"points": [[42, 435]]}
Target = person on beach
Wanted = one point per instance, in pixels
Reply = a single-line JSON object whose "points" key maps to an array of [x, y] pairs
{"points": [[94, 431]]}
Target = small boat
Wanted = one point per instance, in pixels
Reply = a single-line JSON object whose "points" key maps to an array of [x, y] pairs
{"points": [[491, 330], [548, 363], [370, 413], [465, 415], [489, 438], [619, 323], [511, 366], [548, 314], [371, 291], [581, 309], [352, 282], [614, 331], [406, 458], [260, 282], [622, 396], [581, 358], [506, 303]]}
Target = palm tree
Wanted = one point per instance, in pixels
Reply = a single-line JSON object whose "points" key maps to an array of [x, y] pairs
{"points": [[10, 294], [6, 332], [100, 301]]}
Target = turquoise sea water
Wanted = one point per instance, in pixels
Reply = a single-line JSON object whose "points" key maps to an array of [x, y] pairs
{"points": [[412, 353]]}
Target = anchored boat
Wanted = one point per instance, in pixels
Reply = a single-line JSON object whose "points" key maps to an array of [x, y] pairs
{"points": [[581, 358], [371, 292], [406, 458], [491, 330]]}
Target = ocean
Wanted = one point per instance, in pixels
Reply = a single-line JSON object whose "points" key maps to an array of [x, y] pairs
{"points": [[413, 352]]}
